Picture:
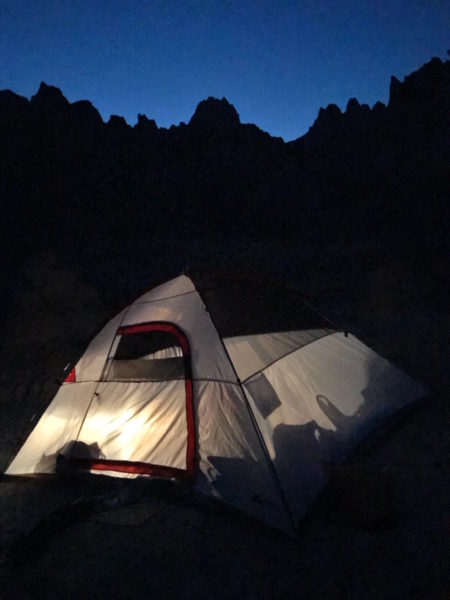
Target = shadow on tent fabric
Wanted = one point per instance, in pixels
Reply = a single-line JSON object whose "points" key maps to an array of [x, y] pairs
{"points": [[300, 455], [303, 453], [60, 460]]}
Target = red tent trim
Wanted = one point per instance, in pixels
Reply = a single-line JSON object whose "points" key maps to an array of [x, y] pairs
{"points": [[141, 468]]}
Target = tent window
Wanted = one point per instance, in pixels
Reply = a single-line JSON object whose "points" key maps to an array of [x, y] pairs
{"points": [[146, 355]]}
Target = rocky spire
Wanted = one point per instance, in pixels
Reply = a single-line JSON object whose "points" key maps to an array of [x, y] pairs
{"points": [[215, 114]]}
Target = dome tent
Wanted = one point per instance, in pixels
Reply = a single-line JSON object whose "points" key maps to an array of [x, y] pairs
{"points": [[235, 384]]}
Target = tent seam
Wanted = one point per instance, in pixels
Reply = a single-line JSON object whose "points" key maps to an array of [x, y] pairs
{"points": [[254, 423], [274, 362], [165, 297], [194, 379]]}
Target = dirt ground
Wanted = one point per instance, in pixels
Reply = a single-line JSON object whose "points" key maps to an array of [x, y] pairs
{"points": [[99, 537]]}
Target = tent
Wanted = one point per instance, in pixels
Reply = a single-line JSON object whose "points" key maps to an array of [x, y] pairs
{"points": [[234, 384]]}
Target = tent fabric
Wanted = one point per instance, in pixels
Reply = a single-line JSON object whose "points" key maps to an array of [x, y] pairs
{"points": [[58, 426], [238, 385], [169, 289], [328, 394], [252, 307], [232, 463], [252, 353], [92, 363], [209, 359], [144, 422]]}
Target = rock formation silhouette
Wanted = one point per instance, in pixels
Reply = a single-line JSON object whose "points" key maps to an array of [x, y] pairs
{"points": [[364, 191], [74, 182]]}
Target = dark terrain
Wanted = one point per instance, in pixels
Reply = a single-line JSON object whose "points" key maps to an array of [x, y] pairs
{"points": [[354, 214]]}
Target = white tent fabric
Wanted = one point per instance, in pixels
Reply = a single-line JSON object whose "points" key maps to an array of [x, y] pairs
{"points": [[209, 359], [327, 392], [138, 421], [252, 353], [58, 426], [232, 463], [250, 417], [91, 364]]}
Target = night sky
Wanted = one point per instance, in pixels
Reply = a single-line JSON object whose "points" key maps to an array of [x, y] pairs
{"points": [[278, 62]]}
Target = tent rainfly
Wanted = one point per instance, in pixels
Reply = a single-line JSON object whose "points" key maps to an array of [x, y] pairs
{"points": [[239, 386]]}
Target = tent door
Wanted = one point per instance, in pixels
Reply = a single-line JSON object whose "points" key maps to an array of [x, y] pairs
{"points": [[140, 420]]}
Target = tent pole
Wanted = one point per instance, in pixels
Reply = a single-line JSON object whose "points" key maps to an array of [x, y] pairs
{"points": [[256, 427]]}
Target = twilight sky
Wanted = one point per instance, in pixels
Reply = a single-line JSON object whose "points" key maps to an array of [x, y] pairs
{"points": [[278, 62]]}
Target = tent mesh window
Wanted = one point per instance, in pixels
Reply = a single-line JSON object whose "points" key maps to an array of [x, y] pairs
{"points": [[146, 356]]}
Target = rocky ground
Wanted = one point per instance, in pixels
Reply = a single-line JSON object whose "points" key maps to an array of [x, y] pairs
{"points": [[96, 537]]}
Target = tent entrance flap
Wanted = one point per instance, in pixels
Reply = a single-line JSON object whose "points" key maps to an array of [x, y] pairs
{"points": [[140, 420]]}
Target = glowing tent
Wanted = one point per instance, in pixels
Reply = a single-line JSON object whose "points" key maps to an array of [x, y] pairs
{"points": [[235, 384]]}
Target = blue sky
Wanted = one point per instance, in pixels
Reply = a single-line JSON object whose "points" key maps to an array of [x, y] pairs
{"points": [[278, 62]]}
